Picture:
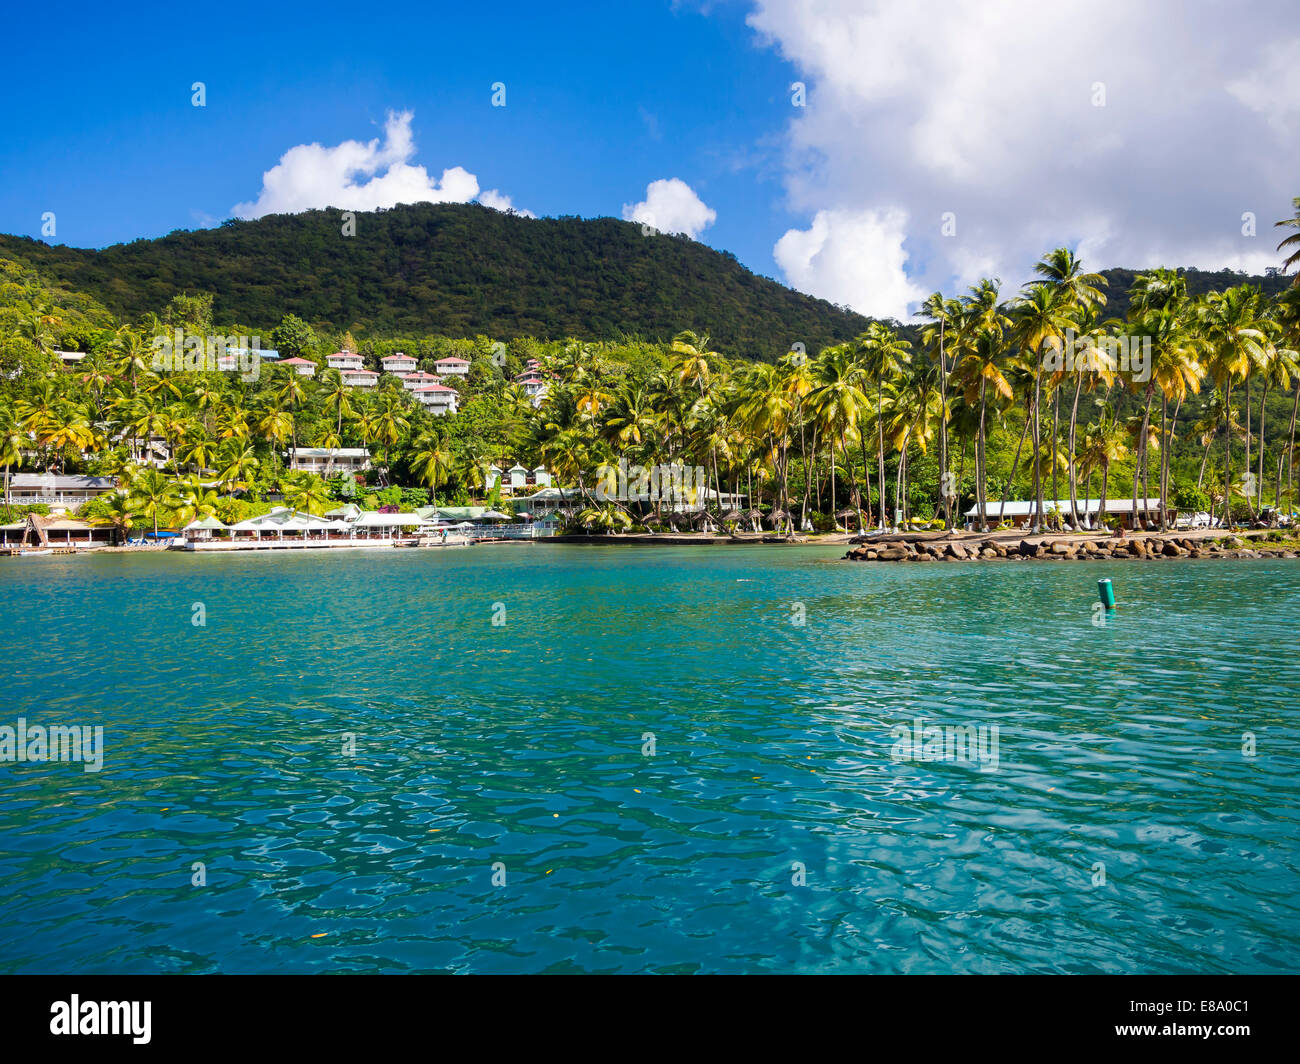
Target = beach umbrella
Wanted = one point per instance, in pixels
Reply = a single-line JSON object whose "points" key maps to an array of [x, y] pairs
{"points": [[732, 515]]}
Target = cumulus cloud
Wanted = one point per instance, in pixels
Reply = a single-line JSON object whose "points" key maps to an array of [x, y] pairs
{"points": [[852, 258], [1137, 133], [361, 176], [671, 206], [500, 202]]}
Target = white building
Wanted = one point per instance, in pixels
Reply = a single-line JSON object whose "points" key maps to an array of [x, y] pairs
{"points": [[411, 381], [452, 367], [398, 364], [331, 460], [344, 360], [57, 492], [437, 397], [1019, 510], [360, 378], [304, 367]]}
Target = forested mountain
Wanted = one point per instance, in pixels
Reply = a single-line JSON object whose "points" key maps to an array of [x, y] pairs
{"points": [[453, 270]]}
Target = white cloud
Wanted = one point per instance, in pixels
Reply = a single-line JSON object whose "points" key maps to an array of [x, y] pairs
{"points": [[361, 177], [500, 202], [671, 206], [852, 258], [916, 108]]}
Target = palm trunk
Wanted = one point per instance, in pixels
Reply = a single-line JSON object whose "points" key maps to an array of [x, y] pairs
{"points": [[1227, 454], [1037, 522], [1015, 464], [1290, 452], [981, 488], [1139, 465], [1167, 458], [1070, 472], [1056, 435], [943, 432], [1259, 502], [880, 444]]}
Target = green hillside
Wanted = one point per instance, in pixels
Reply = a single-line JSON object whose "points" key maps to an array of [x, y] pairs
{"points": [[453, 270]]}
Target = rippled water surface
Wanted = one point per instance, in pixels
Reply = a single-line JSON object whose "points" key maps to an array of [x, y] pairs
{"points": [[1120, 754]]}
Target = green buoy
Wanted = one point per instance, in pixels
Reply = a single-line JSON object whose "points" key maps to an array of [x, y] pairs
{"points": [[1107, 594]]}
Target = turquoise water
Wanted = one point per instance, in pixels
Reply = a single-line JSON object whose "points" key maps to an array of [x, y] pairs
{"points": [[522, 743]]}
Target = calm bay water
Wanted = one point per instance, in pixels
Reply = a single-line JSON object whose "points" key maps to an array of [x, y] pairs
{"points": [[522, 743]]}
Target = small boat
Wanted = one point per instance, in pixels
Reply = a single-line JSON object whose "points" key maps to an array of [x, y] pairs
{"points": [[35, 553]]}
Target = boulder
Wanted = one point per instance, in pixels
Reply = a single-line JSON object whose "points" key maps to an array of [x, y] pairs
{"points": [[893, 554], [1173, 550], [956, 550]]}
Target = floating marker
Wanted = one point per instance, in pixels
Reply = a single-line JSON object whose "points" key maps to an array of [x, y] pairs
{"points": [[1107, 594]]}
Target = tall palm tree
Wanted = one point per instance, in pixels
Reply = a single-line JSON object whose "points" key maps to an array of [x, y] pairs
{"points": [[1292, 241], [882, 355], [980, 367], [837, 402], [152, 495], [1231, 320]]}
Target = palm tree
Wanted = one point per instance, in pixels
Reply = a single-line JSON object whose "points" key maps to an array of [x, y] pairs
{"points": [[981, 366], [237, 464], [882, 355], [1292, 241], [837, 402], [120, 512], [12, 439], [1232, 324], [431, 461], [942, 313], [1104, 447], [1040, 320], [152, 495], [305, 493]]}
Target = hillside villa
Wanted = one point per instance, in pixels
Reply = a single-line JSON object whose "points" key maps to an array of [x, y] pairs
{"points": [[58, 492], [452, 366], [398, 364], [330, 460]]}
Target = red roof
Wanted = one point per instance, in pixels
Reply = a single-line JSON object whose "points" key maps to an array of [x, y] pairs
{"points": [[296, 362], [432, 388], [444, 361]]}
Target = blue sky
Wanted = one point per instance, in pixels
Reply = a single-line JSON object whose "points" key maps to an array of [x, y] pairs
{"points": [[942, 140], [600, 100]]}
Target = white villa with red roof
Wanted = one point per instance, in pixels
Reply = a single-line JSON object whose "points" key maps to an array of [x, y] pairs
{"points": [[398, 364], [411, 381], [304, 367], [437, 397], [344, 360], [360, 378], [452, 366]]}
